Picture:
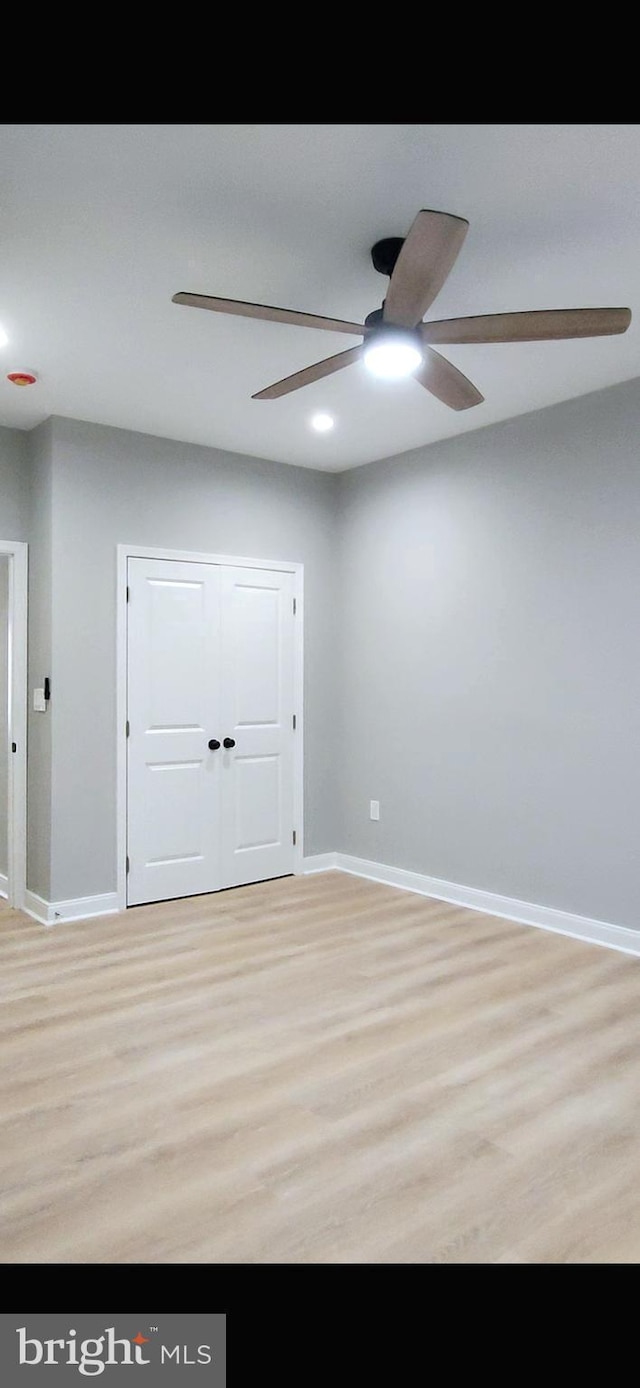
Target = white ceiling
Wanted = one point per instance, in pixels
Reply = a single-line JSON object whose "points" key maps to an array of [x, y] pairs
{"points": [[101, 224]]}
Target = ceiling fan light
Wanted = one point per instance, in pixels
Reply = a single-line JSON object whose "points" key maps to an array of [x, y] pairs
{"points": [[392, 355]]}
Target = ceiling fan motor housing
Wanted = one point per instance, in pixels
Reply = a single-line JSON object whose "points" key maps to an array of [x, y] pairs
{"points": [[385, 253], [375, 320]]}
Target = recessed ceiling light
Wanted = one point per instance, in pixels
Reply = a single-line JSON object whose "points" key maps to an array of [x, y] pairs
{"points": [[322, 422], [4, 337], [392, 355]]}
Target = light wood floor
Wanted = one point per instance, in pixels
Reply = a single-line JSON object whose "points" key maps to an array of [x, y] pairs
{"points": [[318, 1069]]}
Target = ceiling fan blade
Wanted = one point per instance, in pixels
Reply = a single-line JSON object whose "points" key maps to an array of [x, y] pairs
{"points": [[443, 380], [309, 374], [428, 254], [530, 326], [273, 315]]}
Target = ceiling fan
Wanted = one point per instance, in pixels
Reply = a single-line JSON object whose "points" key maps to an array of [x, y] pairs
{"points": [[395, 340]]}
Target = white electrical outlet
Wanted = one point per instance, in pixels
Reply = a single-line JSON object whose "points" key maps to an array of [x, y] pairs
{"points": [[374, 809]]}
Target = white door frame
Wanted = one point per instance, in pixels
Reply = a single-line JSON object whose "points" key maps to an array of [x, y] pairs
{"points": [[17, 553], [126, 552]]}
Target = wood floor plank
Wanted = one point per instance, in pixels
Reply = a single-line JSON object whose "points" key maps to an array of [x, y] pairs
{"points": [[315, 1069]]}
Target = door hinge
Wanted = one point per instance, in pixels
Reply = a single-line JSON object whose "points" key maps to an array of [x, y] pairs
{"points": [[127, 592], [128, 727], [127, 862], [14, 746], [294, 837], [294, 722], [294, 607]]}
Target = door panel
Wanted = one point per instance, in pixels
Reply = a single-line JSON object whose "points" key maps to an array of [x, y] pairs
{"points": [[257, 712], [177, 616], [173, 777], [258, 801], [254, 618]]}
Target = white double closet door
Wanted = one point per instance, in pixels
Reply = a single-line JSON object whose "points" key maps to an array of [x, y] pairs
{"points": [[210, 764]]}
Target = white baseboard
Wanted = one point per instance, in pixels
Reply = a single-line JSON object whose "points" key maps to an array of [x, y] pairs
{"points": [[322, 862], [618, 937], [37, 907], [4, 884], [523, 912], [55, 912]]}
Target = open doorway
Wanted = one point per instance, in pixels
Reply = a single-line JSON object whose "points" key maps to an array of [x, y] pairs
{"points": [[13, 720]]}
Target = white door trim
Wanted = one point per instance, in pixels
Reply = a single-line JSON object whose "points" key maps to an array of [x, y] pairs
{"points": [[17, 764], [126, 552]]}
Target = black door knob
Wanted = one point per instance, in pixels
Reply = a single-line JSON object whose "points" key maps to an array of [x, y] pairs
{"points": [[214, 744], [229, 742]]}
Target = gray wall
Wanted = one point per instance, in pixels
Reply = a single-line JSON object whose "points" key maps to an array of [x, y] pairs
{"points": [[491, 658], [472, 662], [4, 710], [14, 484], [111, 486]]}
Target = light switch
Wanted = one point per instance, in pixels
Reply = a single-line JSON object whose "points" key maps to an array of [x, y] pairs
{"points": [[39, 701]]}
